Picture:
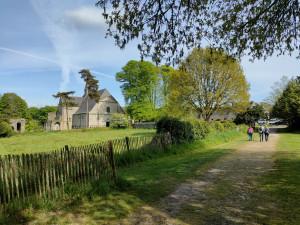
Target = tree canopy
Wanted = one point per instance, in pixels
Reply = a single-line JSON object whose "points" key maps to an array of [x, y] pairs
{"points": [[91, 84], [12, 106], [40, 114], [253, 113], [139, 86], [166, 28], [287, 105], [208, 81]]}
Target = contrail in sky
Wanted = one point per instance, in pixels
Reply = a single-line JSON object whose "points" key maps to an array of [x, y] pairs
{"points": [[29, 55], [26, 54]]}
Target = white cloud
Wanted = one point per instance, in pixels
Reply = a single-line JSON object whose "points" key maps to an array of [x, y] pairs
{"points": [[86, 16]]}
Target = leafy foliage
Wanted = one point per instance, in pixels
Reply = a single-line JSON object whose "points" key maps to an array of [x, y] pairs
{"points": [[208, 81], [200, 128], [40, 114], [180, 131], [12, 106], [252, 114], [166, 29], [144, 87], [91, 84], [228, 125], [5, 129], [33, 126], [119, 120], [288, 104], [216, 126]]}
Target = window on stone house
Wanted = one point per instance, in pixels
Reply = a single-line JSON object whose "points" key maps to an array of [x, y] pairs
{"points": [[108, 109]]}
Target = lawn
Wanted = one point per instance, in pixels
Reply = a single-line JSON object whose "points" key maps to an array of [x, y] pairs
{"points": [[143, 183], [47, 141], [281, 187]]}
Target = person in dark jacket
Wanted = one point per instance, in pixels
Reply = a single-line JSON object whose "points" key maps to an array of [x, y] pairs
{"points": [[261, 131], [267, 133]]}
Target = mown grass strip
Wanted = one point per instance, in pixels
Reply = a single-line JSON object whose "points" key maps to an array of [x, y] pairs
{"points": [[282, 185]]}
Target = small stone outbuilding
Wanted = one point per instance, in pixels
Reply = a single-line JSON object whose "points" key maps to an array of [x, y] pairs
{"points": [[18, 125]]}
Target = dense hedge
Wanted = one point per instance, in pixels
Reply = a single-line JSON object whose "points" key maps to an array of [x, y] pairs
{"points": [[200, 128], [119, 120], [182, 131], [5, 129]]}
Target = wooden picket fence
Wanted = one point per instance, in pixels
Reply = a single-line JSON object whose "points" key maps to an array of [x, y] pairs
{"points": [[46, 174]]}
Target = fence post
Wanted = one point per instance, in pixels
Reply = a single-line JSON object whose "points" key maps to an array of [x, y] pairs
{"points": [[127, 143], [112, 160]]}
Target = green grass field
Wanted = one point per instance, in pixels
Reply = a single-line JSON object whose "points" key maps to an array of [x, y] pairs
{"points": [[47, 141], [282, 185], [143, 183]]}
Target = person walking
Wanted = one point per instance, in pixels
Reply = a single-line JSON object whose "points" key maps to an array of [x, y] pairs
{"points": [[267, 132], [261, 131], [250, 133]]}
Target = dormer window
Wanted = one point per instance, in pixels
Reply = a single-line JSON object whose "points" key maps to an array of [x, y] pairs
{"points": [[108, 109]]}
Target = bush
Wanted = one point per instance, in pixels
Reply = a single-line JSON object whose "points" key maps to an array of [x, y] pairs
{"points": [[119, 120], [200, 128], [181, 131], [5, 129], [217, 126], [228, 125], [33, 126]]}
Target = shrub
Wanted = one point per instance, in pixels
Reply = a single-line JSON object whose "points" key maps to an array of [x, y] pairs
{"points": [[228, 125], [5, 129], [181, 131], [200, 128], [119, 120], [217, 126], [33, 126]]}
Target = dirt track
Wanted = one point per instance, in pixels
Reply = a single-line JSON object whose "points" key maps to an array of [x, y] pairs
{"points": [[225, 194]]}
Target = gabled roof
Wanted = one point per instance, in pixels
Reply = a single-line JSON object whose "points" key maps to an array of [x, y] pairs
{"points": [[103, 94], [77, 100]]}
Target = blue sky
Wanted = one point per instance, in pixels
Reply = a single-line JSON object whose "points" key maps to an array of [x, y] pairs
{"points": [[44, 43]]}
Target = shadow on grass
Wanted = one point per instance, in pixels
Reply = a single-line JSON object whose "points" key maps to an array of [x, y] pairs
{"points": [[142, 183]]}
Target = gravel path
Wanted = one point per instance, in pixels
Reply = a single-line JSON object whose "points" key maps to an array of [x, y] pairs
{"points": [[225, 194]]}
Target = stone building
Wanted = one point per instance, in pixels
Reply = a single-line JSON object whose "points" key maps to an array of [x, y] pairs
{"points": [[85, 114], [59, 120], [18, 125]]}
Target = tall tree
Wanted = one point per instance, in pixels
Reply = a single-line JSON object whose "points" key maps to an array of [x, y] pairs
{"points": [[140, 81], [66, 101], [277, 89], [12, 106], [40, 114], [287, 105], [167, 28], [209, 81], [91, 90], [253, 113]]}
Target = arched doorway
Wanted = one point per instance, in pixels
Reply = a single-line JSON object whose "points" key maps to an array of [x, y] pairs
{"points": [[57, 126], [19, 127]]}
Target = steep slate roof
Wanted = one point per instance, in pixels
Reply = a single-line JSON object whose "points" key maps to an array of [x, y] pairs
{"points": [[103, 93], [77, 100]]}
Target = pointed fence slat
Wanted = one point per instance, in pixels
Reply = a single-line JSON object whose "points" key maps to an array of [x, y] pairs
{"points": [[46, 174]]}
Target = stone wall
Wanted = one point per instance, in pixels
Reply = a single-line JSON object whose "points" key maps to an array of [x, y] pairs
{"points": [[18, 125]]}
